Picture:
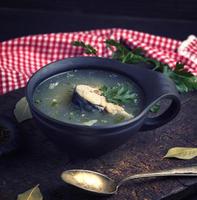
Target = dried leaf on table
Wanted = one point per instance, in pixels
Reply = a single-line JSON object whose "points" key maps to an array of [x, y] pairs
{"points": [[31, 194], [22, 111], [184, 153]]}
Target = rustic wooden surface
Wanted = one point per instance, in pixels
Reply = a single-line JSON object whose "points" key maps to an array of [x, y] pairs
{"points": [[39, 162]]}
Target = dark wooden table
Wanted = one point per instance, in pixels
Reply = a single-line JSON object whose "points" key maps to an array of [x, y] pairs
{"points": [[40, 162]]}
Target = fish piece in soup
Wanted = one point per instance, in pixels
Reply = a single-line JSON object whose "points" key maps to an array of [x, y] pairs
{"points": [[89, 98]]}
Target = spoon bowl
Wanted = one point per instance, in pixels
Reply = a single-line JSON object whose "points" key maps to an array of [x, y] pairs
{"points": [[98, 183], [90, 181]]}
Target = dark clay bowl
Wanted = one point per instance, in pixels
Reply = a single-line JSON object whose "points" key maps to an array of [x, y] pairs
{"points": [[96, 140]]}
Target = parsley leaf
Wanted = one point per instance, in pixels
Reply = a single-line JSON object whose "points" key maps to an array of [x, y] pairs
{"points": [[123, 53], [88, 49], [184, 80], [119, 94]]}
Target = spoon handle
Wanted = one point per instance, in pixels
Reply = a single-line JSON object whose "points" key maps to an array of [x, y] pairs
{"points": [[186, 171]]}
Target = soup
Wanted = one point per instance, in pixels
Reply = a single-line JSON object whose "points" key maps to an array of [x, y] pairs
{"points": [[88, 97]]}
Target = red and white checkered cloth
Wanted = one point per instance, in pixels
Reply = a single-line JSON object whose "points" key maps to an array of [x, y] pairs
{"points": [[21, 57]]}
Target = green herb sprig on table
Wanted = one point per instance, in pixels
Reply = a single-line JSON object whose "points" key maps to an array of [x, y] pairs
{"points": [[184, 80], [119, 94]]}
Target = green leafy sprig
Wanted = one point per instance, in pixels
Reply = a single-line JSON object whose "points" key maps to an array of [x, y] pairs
{"points": [[124, 54], [119, 94], [184, 80], [88, 49]]}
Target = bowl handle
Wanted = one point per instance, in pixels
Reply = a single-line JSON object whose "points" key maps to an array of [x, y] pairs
{"points": [[164, 89]]}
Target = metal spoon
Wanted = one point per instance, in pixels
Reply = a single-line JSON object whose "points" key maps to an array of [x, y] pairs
{"points": [[101, 184]]}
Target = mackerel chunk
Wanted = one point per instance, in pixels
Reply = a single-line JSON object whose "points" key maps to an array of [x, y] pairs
{"points": [[90, 99], [87, 98]]}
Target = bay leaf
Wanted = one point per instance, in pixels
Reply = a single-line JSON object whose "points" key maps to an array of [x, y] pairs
{"points": [[22, 111], [184, 153], [31, 194]]}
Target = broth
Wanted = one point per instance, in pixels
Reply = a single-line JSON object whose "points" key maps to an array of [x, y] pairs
{"points": [[53, 97]]}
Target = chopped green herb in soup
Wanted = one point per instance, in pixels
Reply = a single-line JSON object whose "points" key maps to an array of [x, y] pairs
{"points": [[88, 97]]}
